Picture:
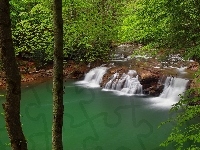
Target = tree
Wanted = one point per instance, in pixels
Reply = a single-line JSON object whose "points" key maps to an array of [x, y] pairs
{"points": [[164, 24], [32, 30], [13, 80], [58, 107], [91, 28]]}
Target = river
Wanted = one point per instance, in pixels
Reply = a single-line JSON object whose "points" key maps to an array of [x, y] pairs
{"points": [[94, 119]]}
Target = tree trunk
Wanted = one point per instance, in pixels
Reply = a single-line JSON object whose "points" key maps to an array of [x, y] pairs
{"points": [[13, 81], [58, 107]]}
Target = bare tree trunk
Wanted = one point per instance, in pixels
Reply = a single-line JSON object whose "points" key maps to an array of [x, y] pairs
{"points": [[58, 107], [13, 81]]}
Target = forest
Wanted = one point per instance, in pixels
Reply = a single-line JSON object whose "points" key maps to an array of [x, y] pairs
{"points": [[91, 28], [87, 31]]}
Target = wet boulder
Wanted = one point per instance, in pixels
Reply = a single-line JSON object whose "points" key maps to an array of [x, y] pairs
{"points": [[149, 79]]}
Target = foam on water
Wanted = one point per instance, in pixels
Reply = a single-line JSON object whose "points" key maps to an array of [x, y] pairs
{"points": [[128, 84], [173, 87], [93, 77]]}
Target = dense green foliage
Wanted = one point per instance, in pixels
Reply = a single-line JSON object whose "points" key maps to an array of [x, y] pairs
{"points": [[90, 28], [165, 24], [32, 31]]}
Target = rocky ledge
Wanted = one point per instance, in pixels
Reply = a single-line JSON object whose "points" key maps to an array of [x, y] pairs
{"points": [[149, 79], [148, 75]]}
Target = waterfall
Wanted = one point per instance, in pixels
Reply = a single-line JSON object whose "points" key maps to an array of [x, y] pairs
{"points": [[110, 83], [93, 77], [127, 84], [173, 87]]}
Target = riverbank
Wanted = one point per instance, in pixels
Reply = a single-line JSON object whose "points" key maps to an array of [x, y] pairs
{"points": [[30, 75], [149, 70]]}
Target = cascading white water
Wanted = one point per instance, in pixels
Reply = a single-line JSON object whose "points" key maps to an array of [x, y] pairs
{"points": [[110, 84], [173, 87], [128, 84], [93, 77]]}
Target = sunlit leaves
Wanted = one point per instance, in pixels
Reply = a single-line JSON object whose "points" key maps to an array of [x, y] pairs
{"points": [[164, 24], [90, 27], [33, 31]]}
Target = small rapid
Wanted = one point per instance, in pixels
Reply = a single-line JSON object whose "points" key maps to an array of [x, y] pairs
{"points": [[128, 84], [173, 88], [93, 78]]}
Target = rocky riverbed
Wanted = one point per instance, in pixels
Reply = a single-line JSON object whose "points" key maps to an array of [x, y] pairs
{"points": [[150, 71]]}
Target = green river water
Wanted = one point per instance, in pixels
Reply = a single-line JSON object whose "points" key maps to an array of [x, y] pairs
{"points": [[93, 120]]}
